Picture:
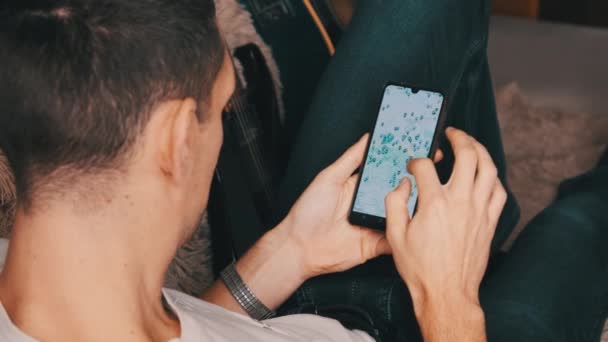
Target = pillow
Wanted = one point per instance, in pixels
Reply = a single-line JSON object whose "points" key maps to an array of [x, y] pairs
{"points": [[544, 146]]}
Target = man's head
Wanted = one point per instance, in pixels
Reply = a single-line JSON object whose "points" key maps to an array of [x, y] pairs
{"points": [[95, 93]]}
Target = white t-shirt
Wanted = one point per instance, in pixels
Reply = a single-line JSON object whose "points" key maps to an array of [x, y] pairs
{"points": [[202, 321]]}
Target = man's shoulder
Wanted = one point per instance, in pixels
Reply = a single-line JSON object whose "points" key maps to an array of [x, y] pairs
{"points": [[201, 320], [182, 302], [8, 331], [202, 311], [205, 321]]}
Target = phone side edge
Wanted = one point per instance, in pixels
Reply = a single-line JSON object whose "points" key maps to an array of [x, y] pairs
{"points": [[351, 212]]}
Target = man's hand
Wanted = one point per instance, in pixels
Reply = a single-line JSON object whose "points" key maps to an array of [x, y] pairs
{"points": [[315, 238], [442, 253], [318, 222]]}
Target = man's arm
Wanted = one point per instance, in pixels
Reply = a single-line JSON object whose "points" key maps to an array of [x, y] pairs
{"points": [[451, 318], [315, 238], [272, 269], [442, 252]]}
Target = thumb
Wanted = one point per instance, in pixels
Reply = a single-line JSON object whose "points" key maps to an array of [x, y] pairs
{"points": [[343, 168], [397, 214], [373, 243]]}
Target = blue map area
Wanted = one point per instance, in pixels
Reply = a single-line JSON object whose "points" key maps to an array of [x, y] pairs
{"points": [[404, 130]]}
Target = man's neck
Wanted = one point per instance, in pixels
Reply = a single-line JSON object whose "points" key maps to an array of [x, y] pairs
{"points": [[71, 278]]}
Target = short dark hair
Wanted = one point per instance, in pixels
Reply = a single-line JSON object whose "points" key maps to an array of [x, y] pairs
{"points": [[78, 78]]}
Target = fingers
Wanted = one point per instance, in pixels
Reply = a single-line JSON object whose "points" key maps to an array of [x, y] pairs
{"points": [[438, 156], [351, 184], [397, 215], [344, 167], [349, 191], [465, 164], [496, 203], [383, 247], [487, 175], [495, 206], [373, 244], [426, 177]]}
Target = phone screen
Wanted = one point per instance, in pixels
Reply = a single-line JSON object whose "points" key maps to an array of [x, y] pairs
{"points": [[404, 130]]}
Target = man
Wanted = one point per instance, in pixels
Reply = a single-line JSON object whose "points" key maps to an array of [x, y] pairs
{"points": [[111, 122]]}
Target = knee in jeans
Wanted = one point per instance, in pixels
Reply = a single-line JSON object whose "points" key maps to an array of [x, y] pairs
{"points": [[509, 321], [424, 14]]}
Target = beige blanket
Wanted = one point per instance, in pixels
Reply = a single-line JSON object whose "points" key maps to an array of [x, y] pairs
{"points": [[544, 146]]}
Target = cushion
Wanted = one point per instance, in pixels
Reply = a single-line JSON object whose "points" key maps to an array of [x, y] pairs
{"points": [[544, 146]]}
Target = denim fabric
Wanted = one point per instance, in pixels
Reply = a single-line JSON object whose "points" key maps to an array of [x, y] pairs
{"points": [[384, 298], [552, 285], [440, 44]]}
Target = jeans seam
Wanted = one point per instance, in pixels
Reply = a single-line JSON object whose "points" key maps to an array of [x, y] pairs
{"points": [[310, 296], [299, 296], [470, 52], [388, 300], [527, 311], [602, 315], [304, 295]]}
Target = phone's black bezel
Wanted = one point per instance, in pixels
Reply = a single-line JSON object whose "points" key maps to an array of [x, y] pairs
{"points": [[377, 222]]}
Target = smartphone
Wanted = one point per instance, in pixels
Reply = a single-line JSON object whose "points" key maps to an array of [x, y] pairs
{"points": [[407, 126]]}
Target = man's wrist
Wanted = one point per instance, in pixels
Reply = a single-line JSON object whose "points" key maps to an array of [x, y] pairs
{"points": [[443, 313], [246, 299], [273, 269]]}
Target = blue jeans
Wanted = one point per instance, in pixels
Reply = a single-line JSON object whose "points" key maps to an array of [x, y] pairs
{"points": [[553, 284], [436, 43]]}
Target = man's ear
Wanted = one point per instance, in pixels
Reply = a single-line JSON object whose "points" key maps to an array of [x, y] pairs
{"points": [[179, 124]]}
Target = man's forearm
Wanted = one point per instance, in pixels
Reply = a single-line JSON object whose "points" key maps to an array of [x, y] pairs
{"points": [[271, 269], [450, 318]]}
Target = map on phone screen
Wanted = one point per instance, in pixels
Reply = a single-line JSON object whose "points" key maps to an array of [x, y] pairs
{"points": [[404, 130]]}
